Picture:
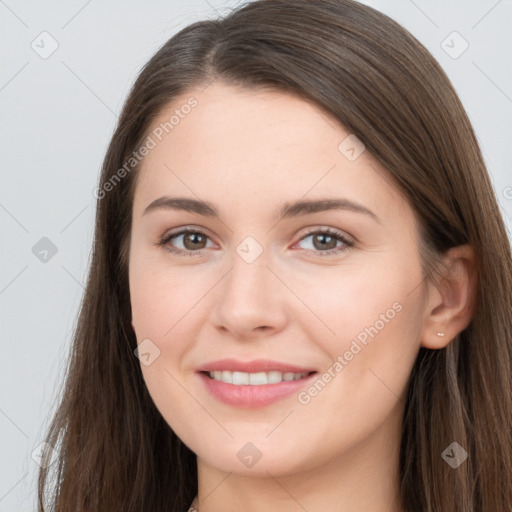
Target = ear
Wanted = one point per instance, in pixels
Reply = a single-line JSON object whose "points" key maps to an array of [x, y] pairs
{"points": [[450, 304]]}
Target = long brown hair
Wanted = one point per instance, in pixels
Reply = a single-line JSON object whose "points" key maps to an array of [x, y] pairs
{"points": [[115, 451]]}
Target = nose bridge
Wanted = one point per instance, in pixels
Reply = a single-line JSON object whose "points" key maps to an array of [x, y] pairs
{"points": [[248, 276], [250, 296]]}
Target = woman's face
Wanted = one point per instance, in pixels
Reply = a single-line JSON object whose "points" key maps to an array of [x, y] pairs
{"points": [[273, 289]]}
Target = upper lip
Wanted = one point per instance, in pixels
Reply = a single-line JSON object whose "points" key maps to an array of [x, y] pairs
{"points": [[257, 365]]}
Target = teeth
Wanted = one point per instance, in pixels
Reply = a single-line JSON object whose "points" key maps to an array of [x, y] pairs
{"points": [[239, 378], [255, 379], [274, 377]]}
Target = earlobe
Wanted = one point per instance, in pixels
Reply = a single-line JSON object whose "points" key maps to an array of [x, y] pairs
{"points": [[451, 303]]}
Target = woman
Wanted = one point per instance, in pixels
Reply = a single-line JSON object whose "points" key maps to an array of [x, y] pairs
{"points": [[340, 338]]}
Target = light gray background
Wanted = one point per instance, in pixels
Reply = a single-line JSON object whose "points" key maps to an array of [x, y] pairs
{"points": [[58, 114]]}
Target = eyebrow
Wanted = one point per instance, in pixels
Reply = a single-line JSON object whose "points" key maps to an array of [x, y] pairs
{"points": [[288, 210]]}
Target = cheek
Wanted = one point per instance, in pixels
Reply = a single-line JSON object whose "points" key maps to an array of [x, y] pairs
{"points": [[368, 324], [163, 312], [164, 298], [362, 302], [375, 319]]}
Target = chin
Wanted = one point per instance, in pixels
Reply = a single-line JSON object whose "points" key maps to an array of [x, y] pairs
{"points": [[247, 458]]}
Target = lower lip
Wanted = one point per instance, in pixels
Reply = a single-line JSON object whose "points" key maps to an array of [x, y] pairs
{"points": [[253, 396]]}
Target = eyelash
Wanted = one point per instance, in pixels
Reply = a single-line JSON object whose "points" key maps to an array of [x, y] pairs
{"points": [[330, 232]]}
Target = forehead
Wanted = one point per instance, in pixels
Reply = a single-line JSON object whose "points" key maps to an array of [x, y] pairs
{"points": [[257, 148]]}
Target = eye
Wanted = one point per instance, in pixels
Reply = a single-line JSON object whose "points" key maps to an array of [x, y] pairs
{"points": [[324, 241], [193, 239]]}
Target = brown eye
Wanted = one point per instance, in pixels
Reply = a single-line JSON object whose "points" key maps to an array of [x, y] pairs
{"points": [[193, 241], [321, 241], [325, 242]]}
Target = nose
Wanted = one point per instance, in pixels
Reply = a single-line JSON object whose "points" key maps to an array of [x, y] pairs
{"points": [[250, 300]]}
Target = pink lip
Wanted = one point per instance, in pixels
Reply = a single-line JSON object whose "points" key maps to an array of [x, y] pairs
{"points": [[249, 396], [258, 365]]}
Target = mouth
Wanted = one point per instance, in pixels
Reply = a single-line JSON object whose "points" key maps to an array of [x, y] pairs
{"points": [[261, 384]]}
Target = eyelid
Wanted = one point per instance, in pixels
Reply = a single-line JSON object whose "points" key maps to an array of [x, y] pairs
{"points": [[346, 240], [311, 230], [184, 229]]}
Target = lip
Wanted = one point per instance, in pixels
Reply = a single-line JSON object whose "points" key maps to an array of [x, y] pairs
{"points": [[249, 396], [257, 365]]}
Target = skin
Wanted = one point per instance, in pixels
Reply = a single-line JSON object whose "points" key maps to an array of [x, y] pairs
{"points": [[248, 152]]}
